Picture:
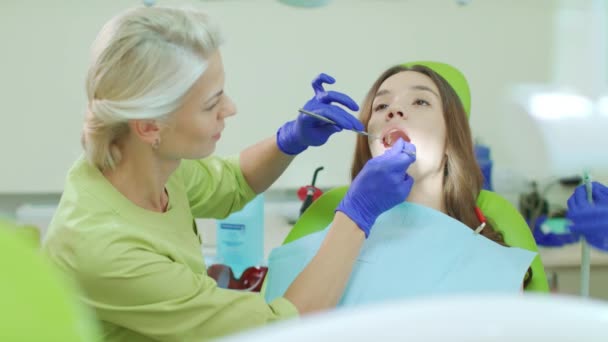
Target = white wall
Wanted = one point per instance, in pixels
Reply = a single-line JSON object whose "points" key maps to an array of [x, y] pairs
{"points": [[271, 55]]}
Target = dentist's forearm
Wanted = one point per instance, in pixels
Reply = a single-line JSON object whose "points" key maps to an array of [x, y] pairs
{"points": [[263, 163], [321, 284]]}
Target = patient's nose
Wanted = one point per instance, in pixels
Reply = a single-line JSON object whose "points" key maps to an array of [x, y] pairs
{"points": [[394, 114]]}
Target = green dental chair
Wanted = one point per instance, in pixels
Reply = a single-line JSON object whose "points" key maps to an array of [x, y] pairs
{"points": [[504, 216], [37, 305]]}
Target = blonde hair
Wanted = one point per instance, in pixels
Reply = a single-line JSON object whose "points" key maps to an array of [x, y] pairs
{"points": [[144, 61]]}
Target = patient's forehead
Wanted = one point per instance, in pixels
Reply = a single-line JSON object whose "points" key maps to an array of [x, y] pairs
{"points": [[407, 81]]}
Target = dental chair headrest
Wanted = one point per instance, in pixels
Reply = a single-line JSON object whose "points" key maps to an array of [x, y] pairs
{"points": [[454, 77]]}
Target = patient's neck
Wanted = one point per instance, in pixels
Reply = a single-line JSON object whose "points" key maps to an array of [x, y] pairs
{"points": [[428, 191]]}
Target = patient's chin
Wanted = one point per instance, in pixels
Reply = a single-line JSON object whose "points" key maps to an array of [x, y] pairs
{"points": [[377, 149]]}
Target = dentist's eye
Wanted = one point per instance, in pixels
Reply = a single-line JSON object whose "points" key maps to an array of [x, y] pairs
{"points": [[421, 102], [210, 108], [380, 107]]}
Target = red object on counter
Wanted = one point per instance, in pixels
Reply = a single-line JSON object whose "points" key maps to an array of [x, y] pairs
{"points": [[303, 191], [251, 279]]}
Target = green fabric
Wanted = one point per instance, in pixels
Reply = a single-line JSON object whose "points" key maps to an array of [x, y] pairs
{"points": [[27, 233], [516, 233], [454, 77], [37, 304], [504, 216], [143, 271]]}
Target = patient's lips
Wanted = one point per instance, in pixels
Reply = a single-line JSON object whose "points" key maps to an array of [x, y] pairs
{"points": [[392, 136]]}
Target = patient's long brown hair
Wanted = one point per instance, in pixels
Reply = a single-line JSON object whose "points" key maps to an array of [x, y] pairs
{"points": [[463, 179]]}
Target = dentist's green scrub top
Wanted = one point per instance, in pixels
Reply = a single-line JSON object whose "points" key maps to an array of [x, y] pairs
{"points": [[143, 271]]}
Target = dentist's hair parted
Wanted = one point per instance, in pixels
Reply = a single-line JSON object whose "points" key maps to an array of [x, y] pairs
{"points": [[144, 62]]}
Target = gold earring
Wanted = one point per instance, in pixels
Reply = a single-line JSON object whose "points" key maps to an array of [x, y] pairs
{"points": [[156, 144]]}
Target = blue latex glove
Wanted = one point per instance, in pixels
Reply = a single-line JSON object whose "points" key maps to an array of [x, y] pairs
{"points": [[590, 219], [592, 223], [295, 136], [382, 184], [578, 200]]}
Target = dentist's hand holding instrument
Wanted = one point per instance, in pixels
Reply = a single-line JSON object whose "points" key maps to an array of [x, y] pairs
{"points": [[382, 184], [314, 130]]}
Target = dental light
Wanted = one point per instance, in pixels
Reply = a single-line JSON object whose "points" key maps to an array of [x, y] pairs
{"points": [[571, 112]]}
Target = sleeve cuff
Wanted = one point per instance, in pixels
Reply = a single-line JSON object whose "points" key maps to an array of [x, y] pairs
{"points": [[283, 308]]}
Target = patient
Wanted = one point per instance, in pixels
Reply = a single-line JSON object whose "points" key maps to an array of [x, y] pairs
{"points": [[418, 105], [415, 104]]}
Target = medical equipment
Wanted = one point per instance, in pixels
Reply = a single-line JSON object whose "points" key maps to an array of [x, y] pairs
{"points": [[309, 193], [297, 135], [240, 237], [555, 232], [590, 219], [369, 136], [322, 118], [585, 252]]}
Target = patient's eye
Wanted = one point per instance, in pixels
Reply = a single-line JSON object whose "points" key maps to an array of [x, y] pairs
{"points": [[380, 107], [421, 102]]}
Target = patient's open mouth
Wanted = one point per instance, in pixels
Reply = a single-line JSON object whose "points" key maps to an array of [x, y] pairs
{"points": [[392, 136]]}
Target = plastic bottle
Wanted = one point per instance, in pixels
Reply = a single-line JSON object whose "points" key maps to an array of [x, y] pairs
{"points": [[240, 237]]}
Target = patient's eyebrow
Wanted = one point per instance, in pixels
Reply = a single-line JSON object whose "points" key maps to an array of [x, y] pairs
{"points": [[382, 92], [425, 88], [416, 87]]}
